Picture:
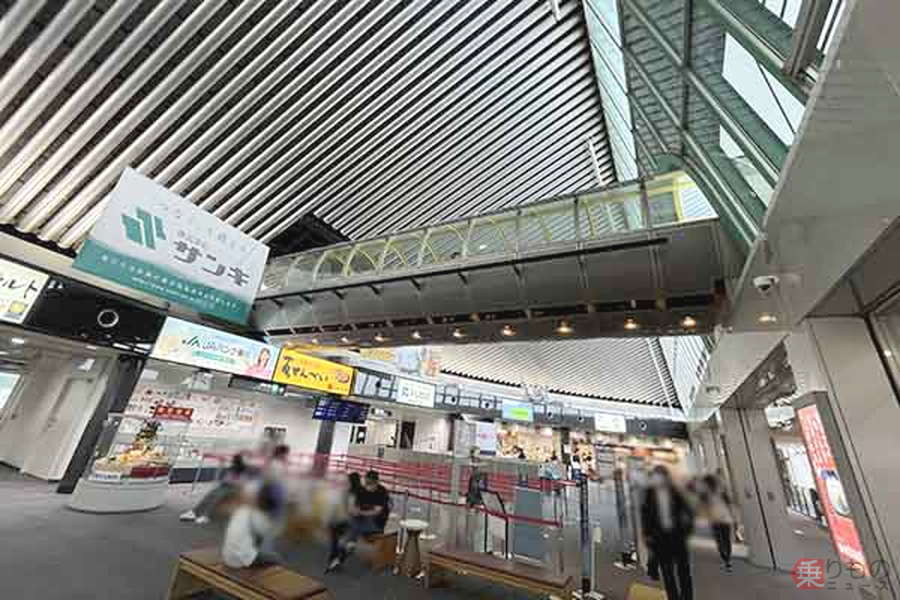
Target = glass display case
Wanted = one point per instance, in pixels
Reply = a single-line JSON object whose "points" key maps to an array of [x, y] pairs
{"points": [[132, 461]]}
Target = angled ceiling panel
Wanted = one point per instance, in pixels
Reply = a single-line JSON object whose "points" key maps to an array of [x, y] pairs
{"points": [[373, 116], [631, 370]]}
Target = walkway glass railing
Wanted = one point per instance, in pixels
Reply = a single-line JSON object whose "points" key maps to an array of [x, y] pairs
{"points": [[670, 199]]}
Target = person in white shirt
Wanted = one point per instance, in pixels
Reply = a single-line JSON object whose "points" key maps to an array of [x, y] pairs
{"points": [[250, 527]]}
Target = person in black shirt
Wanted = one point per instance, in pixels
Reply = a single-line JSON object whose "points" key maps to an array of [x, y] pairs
{"points": [[373, 507]]}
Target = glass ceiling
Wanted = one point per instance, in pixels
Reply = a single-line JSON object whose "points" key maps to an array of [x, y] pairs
{"points": [[705, 86]]}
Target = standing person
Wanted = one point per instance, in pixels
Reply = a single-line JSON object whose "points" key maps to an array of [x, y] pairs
{"points": [[716, 505], [278, 465], [250, 528], [667, 522], [228, 488]]}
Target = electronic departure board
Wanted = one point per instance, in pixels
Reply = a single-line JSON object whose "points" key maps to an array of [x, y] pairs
{"points": [[341, 410]]}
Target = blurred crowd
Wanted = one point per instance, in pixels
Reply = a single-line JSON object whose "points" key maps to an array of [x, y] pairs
{"points": [[264, 501]]}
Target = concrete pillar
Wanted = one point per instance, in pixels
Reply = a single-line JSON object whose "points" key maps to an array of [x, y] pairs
{"points": [[839, 357]]}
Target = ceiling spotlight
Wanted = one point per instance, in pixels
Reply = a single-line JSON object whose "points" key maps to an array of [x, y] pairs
{"points": [[508, 331], [416, 335], [631, 324], [314, 341], [345, 339], [888, 353], [458, 333], [564, 328], [688, 322], [380, 338], [17, 341], [768, 318]]}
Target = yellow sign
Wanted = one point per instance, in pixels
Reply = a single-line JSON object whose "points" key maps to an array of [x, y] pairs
{"points": [[302, 370]]}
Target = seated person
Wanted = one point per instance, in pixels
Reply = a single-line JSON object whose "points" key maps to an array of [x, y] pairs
{"points": [[251, 529], [373, 505]]}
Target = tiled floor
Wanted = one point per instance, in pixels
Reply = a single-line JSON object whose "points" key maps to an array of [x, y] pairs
{"points": [[49, 552]]}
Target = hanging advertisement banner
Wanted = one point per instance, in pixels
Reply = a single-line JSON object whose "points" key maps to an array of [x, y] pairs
{"points": [[412, 360], [302, 370], [416, 393], [831, 492], [153, 240], [19, 288], [207, 348]]}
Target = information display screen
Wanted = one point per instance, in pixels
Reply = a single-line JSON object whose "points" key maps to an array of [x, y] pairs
{"points": [[518, 411], [343, 411]]}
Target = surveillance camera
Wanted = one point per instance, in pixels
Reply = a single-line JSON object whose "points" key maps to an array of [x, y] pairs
{"points": [[765, 283]]}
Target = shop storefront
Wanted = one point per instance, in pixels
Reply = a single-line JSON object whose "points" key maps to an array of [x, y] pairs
{"points": [[203, 395]]}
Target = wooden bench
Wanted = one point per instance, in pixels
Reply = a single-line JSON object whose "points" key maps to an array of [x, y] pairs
{"points": [[203, 570], [497, 570]]}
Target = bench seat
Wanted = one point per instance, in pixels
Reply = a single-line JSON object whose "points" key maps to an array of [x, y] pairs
{"points": [[490, 568], [203, 570]]}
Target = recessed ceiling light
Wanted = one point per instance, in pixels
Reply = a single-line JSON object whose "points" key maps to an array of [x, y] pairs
{"points": [[345, 339], [380, 338], [631, 324], [888, 353], [508, 331], [314, 341], [17, 341], [482, 246], [416, 335], [688, 322], [458, 333], [564, 328], [768, 318]]}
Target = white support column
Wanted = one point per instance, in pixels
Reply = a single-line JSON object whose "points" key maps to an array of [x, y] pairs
{"points": [[838, 356]]}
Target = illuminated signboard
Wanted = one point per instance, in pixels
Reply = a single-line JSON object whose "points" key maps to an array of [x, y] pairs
{"points": [[310, 372], [207, 348]]}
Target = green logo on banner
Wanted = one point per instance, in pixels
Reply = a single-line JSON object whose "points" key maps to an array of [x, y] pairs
{"points": [[143, 230]]}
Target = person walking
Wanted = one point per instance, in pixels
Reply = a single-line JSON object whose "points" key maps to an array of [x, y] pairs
{"points": [[716, 505], [667, 523]]}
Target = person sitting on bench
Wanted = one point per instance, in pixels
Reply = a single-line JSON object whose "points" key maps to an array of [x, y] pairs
{"points": [[373, 505], [251, 529]]}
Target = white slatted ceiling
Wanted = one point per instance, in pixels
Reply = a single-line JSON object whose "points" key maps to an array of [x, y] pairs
{"points": [[620, 369], [376, 116]]}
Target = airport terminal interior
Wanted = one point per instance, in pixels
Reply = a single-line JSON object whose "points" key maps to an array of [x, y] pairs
{"points": [[452, 299]]}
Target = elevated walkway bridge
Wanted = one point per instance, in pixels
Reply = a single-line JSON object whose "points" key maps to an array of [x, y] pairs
{"points": [[646, 257]]}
